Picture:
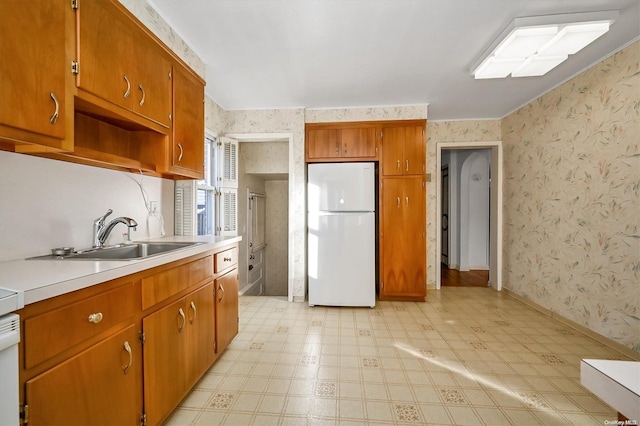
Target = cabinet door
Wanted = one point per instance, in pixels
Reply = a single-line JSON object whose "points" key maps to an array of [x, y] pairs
{"points": [[393, 236], [226, 309], [152, 75], [358, 142], [187, 156], [164, 354], [392, 151], [33, 67], [414, 248], [403, 238], [323, 143], [414, 154], [201, 333], [101, 385], [105, 53]]}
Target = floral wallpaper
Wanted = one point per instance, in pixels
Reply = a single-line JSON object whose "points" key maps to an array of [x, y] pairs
{"points": [[449, 131], [265, 157], [572, 199], [277, 234], [408, 112]]}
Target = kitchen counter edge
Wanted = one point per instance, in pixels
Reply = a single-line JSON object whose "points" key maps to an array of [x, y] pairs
{"points": [[37, 280]]}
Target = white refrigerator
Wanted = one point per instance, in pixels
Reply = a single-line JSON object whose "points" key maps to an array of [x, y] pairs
{"points": [[341, 234]]}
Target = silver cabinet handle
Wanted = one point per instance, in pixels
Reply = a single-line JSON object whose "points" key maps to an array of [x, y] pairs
{"points": [[126, 92], [127, 348], [221, 290], [407, 200], [184, 320], [398, 165], [407, 165], [398, 202], [54, 117], [95, 318], [181, 152], [143, 94], [195, 312]]}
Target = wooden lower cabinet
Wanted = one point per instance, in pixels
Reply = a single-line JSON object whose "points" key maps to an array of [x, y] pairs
{"points": [[178, 349], [403, 239], [127, 351], [101, 385], [226, 309]]}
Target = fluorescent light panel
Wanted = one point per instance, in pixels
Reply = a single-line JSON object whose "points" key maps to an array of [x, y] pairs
{"points": [[529, 51]]}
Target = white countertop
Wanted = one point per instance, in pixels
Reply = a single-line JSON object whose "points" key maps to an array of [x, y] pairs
{"points": [[615, 382], [38, 280]]}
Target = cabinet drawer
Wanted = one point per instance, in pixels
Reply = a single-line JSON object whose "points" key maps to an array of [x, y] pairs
{"points": [[225, 259], [53, 332], [161, 286]]}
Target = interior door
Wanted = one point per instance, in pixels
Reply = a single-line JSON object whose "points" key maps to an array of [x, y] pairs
{"points": [[257, 223], [444, 256]]}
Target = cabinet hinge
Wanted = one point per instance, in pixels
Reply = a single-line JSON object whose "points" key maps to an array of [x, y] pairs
{"points": [[143, 419], [422, 132], [142, 338], [74, 4], [75, 67], [381, 134], [24, 414], [381, 285], [215, 346]]}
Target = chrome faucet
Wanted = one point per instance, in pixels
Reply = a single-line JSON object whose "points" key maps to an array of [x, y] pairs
{"points": [[101, 231]]}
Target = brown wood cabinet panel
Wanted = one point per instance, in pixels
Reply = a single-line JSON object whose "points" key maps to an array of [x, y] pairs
{"points": [[105, 53], [161, 286], [164, 353], [225, 259], [403, 242], [323, 143], [53, 332], [187, 141], [120, 64], [358, 142], [102, 385], [349, 141], [392, 151], [200, 311], [34, 68], [226, 309], [403, 150], [152, 94]]}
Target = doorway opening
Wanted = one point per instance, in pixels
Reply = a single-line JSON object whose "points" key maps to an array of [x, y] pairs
{"points": [[264, 189], [469, 214]]}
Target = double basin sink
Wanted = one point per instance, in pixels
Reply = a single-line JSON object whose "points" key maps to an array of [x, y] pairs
{"points": [[134, 251]]}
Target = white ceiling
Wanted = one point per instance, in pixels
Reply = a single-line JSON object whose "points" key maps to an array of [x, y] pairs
{"points": [[355, 53]]}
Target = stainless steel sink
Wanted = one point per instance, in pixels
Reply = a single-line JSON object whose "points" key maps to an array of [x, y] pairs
{"points": [[121, 252]]}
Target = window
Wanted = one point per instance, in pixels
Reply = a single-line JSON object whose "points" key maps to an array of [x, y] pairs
{"points": [[206, 189], [208, 206]]}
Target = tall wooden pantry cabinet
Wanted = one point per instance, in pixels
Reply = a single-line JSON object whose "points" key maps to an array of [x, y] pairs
{"points": [[403, 233]]}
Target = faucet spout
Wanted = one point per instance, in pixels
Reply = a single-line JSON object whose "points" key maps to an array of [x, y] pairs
{"points": [[101, 231]]}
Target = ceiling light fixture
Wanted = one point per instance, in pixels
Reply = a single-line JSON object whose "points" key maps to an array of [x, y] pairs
{"points": [[535, 45]]}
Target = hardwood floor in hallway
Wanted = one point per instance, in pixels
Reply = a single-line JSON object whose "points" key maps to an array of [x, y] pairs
{"points": [[455, 278]]}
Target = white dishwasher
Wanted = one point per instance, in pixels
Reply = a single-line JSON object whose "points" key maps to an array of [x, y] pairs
{"points": [[9, 339]]}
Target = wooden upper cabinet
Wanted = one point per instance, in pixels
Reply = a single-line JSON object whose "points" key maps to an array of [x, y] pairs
{"points": [[120, 64], [403, 149], [322, 143], [341, 142], [186, 150], [35, 75]]}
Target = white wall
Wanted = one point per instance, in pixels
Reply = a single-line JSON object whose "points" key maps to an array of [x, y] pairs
{"points": [[48, 203]]}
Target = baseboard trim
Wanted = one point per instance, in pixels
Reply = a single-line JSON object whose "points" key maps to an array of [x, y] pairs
{"points": [[298, 299], [628, 352]]}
